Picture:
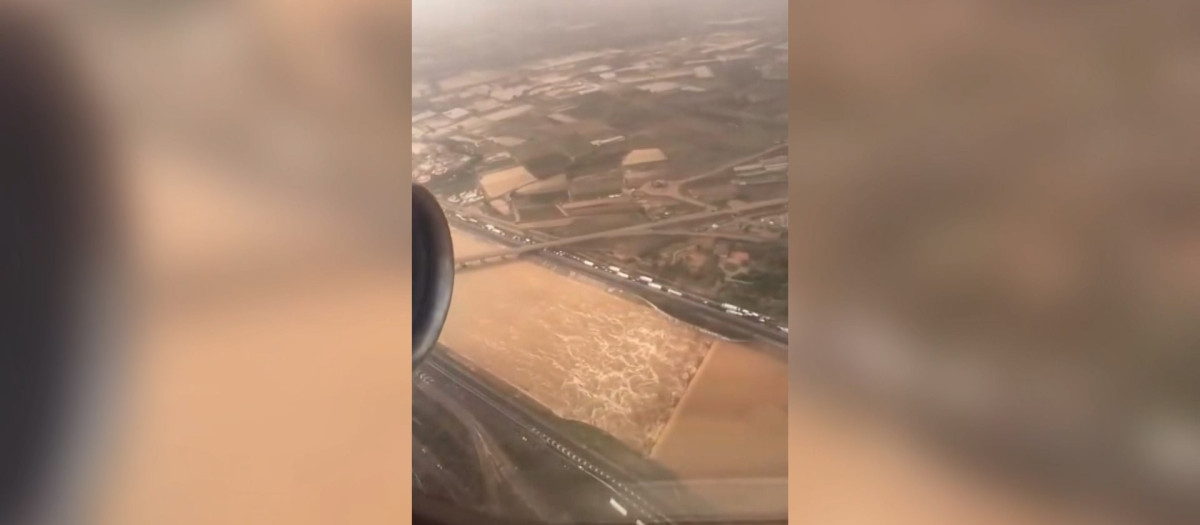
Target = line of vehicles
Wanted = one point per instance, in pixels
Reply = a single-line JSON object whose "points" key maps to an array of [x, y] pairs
{"points": [[728, 309]]}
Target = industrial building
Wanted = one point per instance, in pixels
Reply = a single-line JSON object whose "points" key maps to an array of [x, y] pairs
{"points": [[550, 190], [500, 183]]}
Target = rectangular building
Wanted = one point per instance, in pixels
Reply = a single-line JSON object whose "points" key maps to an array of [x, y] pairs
{"points": [[500, 183]]}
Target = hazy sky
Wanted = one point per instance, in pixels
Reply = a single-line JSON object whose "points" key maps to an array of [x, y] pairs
{"points": [[431, 15]]}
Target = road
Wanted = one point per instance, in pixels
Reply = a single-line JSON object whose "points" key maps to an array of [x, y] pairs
{"points": [[693, 309], [514, 419], [674, 189], [466, 262], [628, 230]]}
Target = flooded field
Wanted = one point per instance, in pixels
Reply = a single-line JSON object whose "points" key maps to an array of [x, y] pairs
{"points": [[727, 439], [737, 402], [584, 353]]}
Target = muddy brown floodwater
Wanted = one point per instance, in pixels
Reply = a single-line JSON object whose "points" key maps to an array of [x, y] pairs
{"points": [[584, 353]]}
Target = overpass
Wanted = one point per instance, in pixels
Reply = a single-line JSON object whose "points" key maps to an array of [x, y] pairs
{"points": [[653, 228], [515, 251]]}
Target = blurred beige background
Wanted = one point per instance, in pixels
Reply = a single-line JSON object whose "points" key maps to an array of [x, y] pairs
{"points": [[268, 343], [1002, 247]]}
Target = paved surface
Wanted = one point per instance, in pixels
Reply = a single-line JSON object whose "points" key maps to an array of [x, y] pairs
{"points": [[620, 232], [463, 262], [674, 189]]}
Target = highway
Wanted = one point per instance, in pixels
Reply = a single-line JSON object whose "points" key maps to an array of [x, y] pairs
{"points": [[674, 189], [527, 248], [526, 429], [731, 164], [691, 308], [640, 229]]}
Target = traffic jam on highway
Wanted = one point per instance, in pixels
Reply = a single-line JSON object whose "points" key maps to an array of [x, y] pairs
{"points": [[643, 280]]}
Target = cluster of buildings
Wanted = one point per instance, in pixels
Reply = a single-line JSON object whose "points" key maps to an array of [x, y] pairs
{"points": [[565, 138]]}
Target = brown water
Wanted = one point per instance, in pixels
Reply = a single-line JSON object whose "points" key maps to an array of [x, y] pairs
{"points": [[584, 353], [737, 402]]}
